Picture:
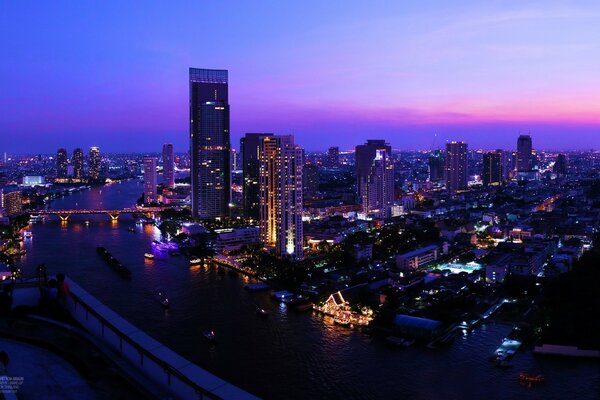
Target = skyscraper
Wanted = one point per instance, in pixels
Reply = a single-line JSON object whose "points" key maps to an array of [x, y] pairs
{"points": [[493, 173], [378, 185], [524, 164], [333, 157], [310, 180], [456, 166], [280, 186], [150, 180], [561, 166], [78, 163], [249, 149], [94, 163], [62, 162], [168, 158], [365, 154], [436, 166], [209, 142]]}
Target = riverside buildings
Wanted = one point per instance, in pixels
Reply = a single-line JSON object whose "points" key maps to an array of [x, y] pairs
{"points": [[375, 176], [209, 143], [280, 188], [249, 149], [150, 180]]}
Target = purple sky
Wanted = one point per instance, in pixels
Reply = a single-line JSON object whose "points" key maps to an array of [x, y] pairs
{"points": [[331, 73]]}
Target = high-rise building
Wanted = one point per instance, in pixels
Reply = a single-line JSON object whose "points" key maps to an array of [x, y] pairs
{"points": [[249, 149], [493, 173], [280, 184], [62, 162], [168, 159], [436, 166], [378, 185], [12, 203], [235, 160], [333, 157], [365, 154], [456, 166], [77, 163], [561, 165], [310, 180], [524, 156], [150, 195], [209, 143], [94, 163]]}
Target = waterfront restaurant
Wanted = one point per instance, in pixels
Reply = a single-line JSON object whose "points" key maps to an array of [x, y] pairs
{"points": [[338, 307]]}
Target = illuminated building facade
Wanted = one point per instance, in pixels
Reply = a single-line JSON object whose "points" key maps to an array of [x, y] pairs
{"points": [[62, 162], [168, 158], [378, 185], [94, 163], [150, 180], [77, 163], [280, 188], [11, 203], [249, 149], [365, 154], [456, 166], [209, 143]]}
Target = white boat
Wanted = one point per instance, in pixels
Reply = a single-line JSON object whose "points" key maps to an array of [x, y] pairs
{"points": [[195, 261], [149, 256]]}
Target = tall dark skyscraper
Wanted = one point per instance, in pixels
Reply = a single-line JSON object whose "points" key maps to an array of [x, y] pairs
{"points": [[209, 143], [168, 159], [62, 162], [365, 154], [77, 163], [456, 166], [94, 163], [249, 149], [561, 165], [524, 154], [310, 180], [436, 166], [333, 157], [492, 168]]}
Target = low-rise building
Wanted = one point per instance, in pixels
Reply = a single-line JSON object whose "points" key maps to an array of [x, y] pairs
{"points": [[417, 258]]}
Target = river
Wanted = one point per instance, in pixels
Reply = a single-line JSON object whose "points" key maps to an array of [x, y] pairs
{"points": [[289, 355]]}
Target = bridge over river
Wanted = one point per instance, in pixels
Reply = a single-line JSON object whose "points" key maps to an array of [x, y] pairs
{"points": [[112, 213]]}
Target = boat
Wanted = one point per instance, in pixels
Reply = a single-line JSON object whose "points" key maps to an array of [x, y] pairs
{"points": [[257, 287], [149, 256], [262, 312], [132, 230], [342, 321], [27, 234], [209, 335], [195, 261], [528, 378], [164, 300], [113, 262], [87, 223]]}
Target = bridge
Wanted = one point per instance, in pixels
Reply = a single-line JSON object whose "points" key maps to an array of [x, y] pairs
{"points": [[112, 213]]}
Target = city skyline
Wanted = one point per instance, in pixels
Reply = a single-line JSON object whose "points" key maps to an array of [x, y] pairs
{"points": [[507, 69]]}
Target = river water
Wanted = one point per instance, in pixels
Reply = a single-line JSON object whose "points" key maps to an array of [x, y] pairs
{"points": [[289, 355]]}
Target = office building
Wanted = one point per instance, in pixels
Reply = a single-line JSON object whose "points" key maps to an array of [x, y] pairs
{"points": [[524, 162], [12, 203], [365, 154], [209, 143], [62, 162], [168, 158], [436, 166], [333, 157], [456, 166], [378, 185], [280, 185], [150, 195], [77, 163], [249, 149], [310, 180], [561, 165], [94, 163], [417, 258], [492, 169]]}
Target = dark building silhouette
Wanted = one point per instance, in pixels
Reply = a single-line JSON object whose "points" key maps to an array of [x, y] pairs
{"points": [[561, 165], [493, 173], [310, 180], [62, 163], [249, 149], [456, 166], [77, 163], [168, 159], [436, 166], [209, 143], [333, 157]]}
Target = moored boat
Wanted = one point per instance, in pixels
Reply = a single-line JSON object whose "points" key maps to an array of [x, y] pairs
{"points": [[149, 256], [195, 261], [209, 335]]}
